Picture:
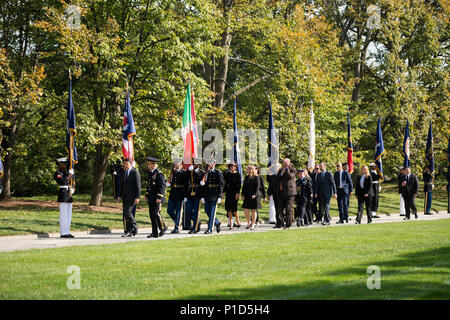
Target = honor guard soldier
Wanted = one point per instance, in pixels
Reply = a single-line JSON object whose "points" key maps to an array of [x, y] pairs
{"points": [[62, 177], [177, 187], [304, 193], [375, 190], [428, 189], [155, 197], [213, 188], [193, 194]]}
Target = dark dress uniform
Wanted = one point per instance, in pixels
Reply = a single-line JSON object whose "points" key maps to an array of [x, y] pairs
{"points": [[193, 194], [250, 188], [303, 197], [232, 187], [375, 191], [62, 178], [176, 197], [366, 188], [213, 190], [155, 190], [428, 189]]}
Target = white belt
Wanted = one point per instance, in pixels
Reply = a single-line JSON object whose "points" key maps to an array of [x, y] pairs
{"points": [[374, 181], [64, 187]]}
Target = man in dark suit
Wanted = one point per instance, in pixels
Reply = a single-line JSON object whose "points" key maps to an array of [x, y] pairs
{"points": [[130, 192], [364, 193], [344, 187], [325, 188], [410, 188], [273, 193], [316, 200], [287, 190], [155, 196]]}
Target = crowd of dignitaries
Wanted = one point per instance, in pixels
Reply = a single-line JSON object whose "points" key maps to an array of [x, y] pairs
{"points": [[192, 187]]}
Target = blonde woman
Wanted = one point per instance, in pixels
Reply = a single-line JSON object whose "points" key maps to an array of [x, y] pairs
{"points": [[363, 193], [249, 193]]}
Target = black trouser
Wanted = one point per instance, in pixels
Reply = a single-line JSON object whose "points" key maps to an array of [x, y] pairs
{"points": [[375, 197], [316, 211], [285, 210], [302, 211], [410, 204], [154, 210], [342, 201], [361, 202], [325, 208], [278, 213], [125, 220], [130, 222]]}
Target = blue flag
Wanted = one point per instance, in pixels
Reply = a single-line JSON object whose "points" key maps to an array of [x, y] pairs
{"points": [[379, 150], [236, 151], [273, 143], [71, 146], [406, 143], [429, 150]]}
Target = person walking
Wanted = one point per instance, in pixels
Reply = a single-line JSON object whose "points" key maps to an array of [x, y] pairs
{"points": [[364, 194], [288, 191], [232, 190], [410, 188], [344, 186], [325, 188], [250, 189]]}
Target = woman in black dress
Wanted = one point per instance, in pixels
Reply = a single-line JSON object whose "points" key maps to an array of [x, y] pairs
{"points": [[232, 188], [249, 192]]}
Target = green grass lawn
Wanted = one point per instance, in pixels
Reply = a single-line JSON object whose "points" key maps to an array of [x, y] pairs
{"points": [[317, 263], [31, 218]]}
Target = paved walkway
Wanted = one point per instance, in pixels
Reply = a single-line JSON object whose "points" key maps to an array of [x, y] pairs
{"points": [[26, 242]]}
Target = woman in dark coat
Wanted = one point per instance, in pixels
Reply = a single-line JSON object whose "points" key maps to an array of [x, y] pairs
{"points": [[249, 192], [232, 189], [261, 195], [364, 192]]}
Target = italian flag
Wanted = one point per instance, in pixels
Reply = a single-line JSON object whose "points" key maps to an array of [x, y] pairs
{"points": [[189, 129]]}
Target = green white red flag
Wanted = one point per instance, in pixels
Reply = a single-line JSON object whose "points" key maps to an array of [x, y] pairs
{"points": [[189, 131]]}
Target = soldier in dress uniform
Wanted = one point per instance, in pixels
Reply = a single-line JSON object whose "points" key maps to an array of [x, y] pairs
{"points": [[177, 185], [193, 194], [375, 190], [62, 177], [213, 188], [428, 189], [304, 193], [155, 197]]}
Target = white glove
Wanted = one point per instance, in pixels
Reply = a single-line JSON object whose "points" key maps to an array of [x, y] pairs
{"points": [[432, 186], [191, 167], [219, 200], [185, 199], [167, 184], [202, 183], [72, 190], [203, 200], [71, 171], [379, 189]]}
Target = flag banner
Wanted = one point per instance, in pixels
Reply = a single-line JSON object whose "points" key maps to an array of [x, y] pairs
{"points": [[129, 131], [429, 150], [406, 144], [379, 150], [312, 143], [1, 169], [273, 151], [349, 146], [236, 151], [189, 131], [71, 133]]}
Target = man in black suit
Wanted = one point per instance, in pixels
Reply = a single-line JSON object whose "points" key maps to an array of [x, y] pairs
{"points": [[364, 193], [344, 187], [273, 193], [316, 200], [130, 192], [287, 189], [325, 188], [410, 188]]}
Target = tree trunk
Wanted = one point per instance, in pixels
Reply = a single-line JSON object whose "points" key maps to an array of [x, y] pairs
{"points": [[10, 145], [223, 69], [6, 194], [100, 165]]}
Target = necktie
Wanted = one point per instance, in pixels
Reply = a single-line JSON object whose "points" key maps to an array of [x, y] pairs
{"points": [[126, 178]]}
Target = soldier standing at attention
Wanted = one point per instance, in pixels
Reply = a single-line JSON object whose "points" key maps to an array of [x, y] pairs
{"points": [[192, 197], [155, 197], [213, 189], [65, 199], [375, 190], [176, 196], [428, 189]]}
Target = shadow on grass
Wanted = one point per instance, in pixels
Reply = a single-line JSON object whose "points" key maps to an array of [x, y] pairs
{"points": [[409, 276]]}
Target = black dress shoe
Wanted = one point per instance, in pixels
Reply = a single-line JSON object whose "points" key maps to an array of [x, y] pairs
{"points": [[218, 227], [375, 216], [70, 236], [277, 227], [64, 236], [162, 232], [153, 235], [405, 218], [135, 231], [340, 222], [126, 235], [357, 222], [272, 222], [191, 232], [346, 221], [416, 216], [175, 231], [208, 232]]}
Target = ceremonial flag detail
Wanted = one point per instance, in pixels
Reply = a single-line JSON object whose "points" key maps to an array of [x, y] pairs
{"points": [[1, 169], [129, 131], [406, 143], [71, 132], [189, 131], [312, 143], [349, 146], [236, 151], [379, 150], [429, 150], [273, 142]]}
